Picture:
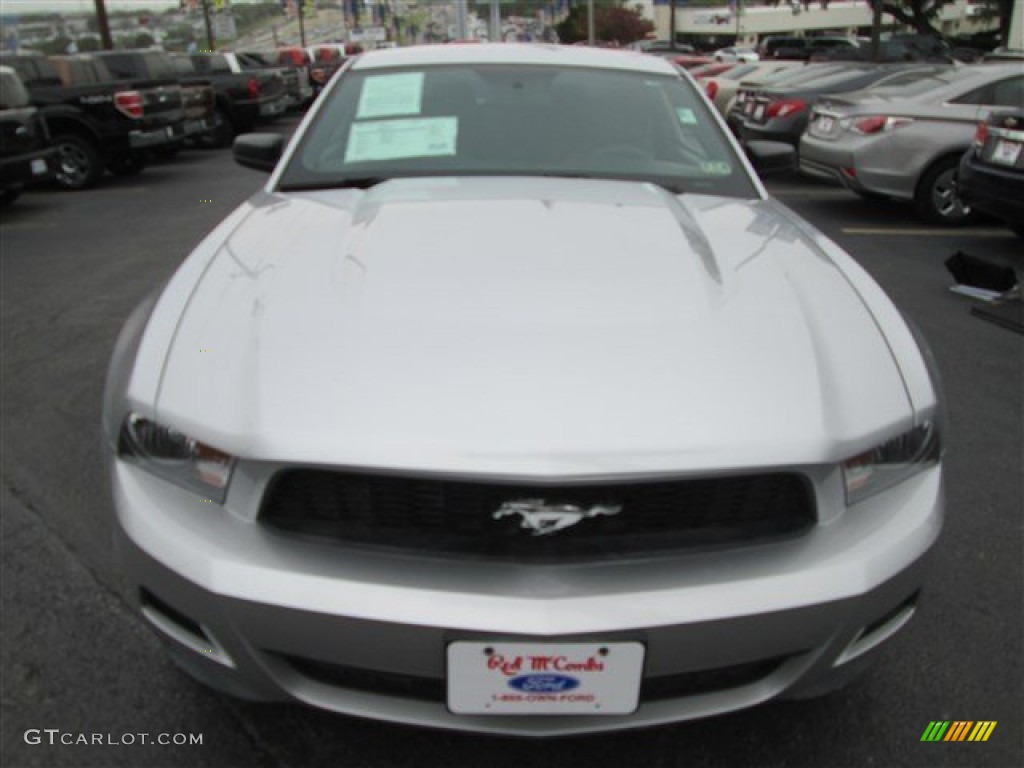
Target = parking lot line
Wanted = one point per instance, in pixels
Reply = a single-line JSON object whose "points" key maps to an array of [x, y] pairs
{"points": [[928, 232]]}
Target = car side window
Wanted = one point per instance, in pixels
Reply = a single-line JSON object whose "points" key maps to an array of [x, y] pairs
{"points": [[1008, 93]]}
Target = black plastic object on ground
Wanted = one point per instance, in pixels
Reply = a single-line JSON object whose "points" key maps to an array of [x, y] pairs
{"points": [[979, 273]]}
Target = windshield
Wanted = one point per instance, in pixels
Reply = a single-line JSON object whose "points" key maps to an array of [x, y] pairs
{"points": [[516, 120]]}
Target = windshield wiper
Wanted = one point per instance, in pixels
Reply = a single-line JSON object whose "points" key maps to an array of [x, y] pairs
{"points": [[352, 182]]}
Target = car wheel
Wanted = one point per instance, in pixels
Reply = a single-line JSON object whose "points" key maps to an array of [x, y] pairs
{"points": [[937, 198], [221, 134], [80, 165], [126, 165], [8, 196]]}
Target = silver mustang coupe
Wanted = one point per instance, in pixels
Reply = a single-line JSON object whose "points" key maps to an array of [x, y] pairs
{"points": [[512, 403]]}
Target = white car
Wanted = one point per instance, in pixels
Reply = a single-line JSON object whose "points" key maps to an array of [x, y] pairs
{"points": [[736, 54], [512, 403]]}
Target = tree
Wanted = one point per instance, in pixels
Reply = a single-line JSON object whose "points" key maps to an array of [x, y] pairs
{"points": [[88, 43], [918, 14], [612, 23]]}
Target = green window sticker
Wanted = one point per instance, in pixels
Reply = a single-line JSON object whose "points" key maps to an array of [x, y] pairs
{"points": [[389, 95], [686, 116], [716, 168], [394, 139]]}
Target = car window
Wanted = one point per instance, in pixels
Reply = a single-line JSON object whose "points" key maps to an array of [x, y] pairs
{"points": [[36, 71], [256, 60], [160, 65], [120, 65], [12, 93], [211, 65], [184, 67], [517, 120], [1008, 93]]}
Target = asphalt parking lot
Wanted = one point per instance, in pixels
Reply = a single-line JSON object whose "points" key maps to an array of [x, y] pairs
{"points": [[76, 659]]}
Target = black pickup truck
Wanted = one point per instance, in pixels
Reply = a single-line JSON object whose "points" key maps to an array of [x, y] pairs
{"points": [[197, 97], [243, 97], [99, 125], [26, 155]]}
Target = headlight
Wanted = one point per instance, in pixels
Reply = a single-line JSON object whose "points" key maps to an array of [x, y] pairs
{"points": [[176, 457], [892, 462]]}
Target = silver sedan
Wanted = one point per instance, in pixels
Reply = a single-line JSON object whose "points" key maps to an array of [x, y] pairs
{"points": [[905, 140], [512, 403]]}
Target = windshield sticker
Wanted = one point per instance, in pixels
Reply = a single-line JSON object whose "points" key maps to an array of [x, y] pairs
{"points": [[389, 95], [393, 139], [716, 168], [686, 116]]}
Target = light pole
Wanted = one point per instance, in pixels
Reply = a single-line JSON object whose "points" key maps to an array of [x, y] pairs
{"points": [[590, 22], [103, 25]]}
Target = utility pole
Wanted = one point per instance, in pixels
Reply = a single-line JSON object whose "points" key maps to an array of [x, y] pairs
{"points": [[590, 22], [876, 30], [209, 29], [302, 26], [672, 25], [495, 22], [739, 13], [104, 26], [460, 20]]}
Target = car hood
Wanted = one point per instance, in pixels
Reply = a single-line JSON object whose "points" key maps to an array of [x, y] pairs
{"points": [[545, 327]]}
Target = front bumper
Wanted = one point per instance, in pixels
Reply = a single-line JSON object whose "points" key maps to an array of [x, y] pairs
{"points": [[269, 617], [29, 168]]}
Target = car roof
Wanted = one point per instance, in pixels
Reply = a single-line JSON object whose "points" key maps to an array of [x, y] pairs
{"points": [[514, 53]]}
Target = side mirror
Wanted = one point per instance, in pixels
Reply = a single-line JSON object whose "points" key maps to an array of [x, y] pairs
{"points": [[771, 156], [259, 151]]}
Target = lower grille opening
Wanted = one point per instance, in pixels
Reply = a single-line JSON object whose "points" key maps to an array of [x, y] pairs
{"points": [[369, 680], [708, 680], [154, 603], [433, 689]]}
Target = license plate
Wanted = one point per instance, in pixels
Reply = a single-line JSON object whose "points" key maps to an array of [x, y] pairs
{"points": [[1006, 152], [825, 124], [759, 112], [544, 678], [38, 166]]}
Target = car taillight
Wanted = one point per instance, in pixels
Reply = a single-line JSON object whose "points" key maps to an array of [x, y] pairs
{"points": [[785, 107], [253, 88], [129, 103], [712, 89], [878, 124], [980, 134]]}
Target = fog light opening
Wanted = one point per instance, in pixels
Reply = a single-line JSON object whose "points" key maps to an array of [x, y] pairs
{"points": [[878, 631], [182, 629]]}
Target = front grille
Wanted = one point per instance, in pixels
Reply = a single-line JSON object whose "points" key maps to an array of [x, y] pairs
{"points": [[457, 517], [405, 686]]}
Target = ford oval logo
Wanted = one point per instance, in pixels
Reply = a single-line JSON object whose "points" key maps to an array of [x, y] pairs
{"points": [[544, 683]]}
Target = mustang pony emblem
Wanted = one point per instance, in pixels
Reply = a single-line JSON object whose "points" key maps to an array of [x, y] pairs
{"points": [[542, 519]]}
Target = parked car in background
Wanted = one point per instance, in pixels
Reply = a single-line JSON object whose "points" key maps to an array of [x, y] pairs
{"points": [[780, 113], [735, 54], [26, 155], [297, 86], [659, 451], [906, 140], [242, 97], [197, 98], [748, 88], [722, 88], [99, 124], [327, 59], [774, 47], [991, 173]]}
